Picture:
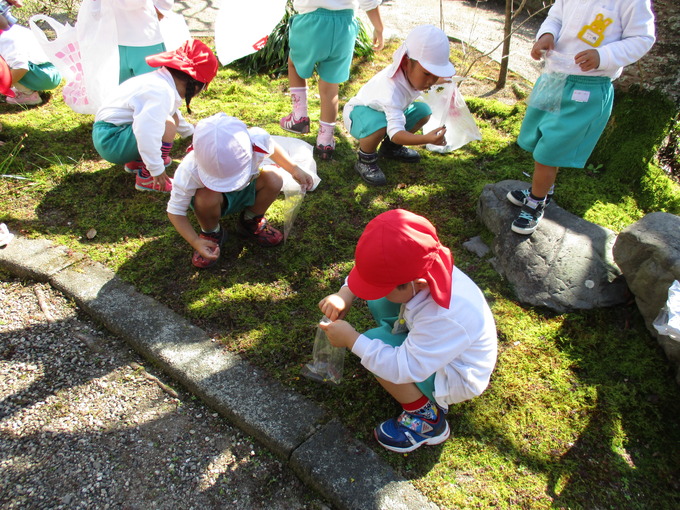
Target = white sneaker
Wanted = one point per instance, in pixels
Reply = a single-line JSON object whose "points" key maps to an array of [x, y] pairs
{"points": [[24, 98]]}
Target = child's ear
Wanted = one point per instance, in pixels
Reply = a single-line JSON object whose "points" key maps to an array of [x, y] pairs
{"points": [[421, 284]]}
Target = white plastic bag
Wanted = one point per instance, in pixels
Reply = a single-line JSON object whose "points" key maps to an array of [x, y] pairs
{"points": [[301, 153], [668, 321], [175, 30], [449, 109], [64, 53], [242, 28], [98, 39]]}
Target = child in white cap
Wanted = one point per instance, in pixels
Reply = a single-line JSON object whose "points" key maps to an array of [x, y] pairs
{"points": [[435, 342], [223, 175], [384, 109]]}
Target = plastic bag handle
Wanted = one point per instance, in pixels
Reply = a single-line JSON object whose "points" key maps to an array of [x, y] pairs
{"points": [[56, 26]]}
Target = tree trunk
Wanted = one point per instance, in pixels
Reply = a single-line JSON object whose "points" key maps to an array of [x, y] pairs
{"points": [[505, 55]]}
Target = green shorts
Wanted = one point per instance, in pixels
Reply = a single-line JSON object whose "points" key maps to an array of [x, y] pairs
{"points": [[366, 120], [324, 40], [236, 201], [133, 60], [567, 138], [116, 144], [41, 77], [386, 313]]}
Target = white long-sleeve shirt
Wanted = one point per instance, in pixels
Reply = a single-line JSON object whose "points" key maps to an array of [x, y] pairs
{"points": [[622, 31], [146, 101], [18, 46], [187, 178], [137, 22], [305, 6], [388, 91], [458, 344]]}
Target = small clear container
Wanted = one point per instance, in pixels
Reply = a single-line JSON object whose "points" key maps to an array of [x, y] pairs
{"points": [[327, 361]]}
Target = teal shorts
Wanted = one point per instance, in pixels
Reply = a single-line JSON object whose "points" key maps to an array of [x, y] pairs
{"points": [[236, 201], [324, 40], [116, 144], [133, 60], [567, 138], [41, 77], [366, 120], [385, 313]]}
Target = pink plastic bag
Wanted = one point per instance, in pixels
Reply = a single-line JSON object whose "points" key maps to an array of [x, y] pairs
{"points": [[64, 53]]}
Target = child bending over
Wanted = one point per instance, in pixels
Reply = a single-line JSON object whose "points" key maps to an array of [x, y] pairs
{"points": [[138, 124], [221, 176]]}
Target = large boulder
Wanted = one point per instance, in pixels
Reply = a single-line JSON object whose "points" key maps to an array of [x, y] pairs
{"points": [[648, 253], [566, 264]]}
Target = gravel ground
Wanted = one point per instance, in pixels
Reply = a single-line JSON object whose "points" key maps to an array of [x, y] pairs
{"points": [[84, 423]]}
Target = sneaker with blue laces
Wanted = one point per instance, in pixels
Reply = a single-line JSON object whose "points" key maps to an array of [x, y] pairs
{"points": [[519, 197], [407, 432], [528, 219]]}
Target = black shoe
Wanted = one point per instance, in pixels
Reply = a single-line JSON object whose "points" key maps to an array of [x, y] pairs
{"points": [[518, 197], [368, 169], [528, 219], [391, 150]]}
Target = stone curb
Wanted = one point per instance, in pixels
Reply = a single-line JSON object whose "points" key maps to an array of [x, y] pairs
{"points": [[323, 455]]}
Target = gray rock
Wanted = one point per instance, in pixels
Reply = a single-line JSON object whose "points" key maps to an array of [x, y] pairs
{"points": [[648, 253], [566, 264], [476, 246]]}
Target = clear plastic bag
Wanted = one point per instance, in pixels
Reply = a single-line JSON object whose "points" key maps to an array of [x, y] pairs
{"points": [[327, 361], [449, 109], [301, 153], [668, 321], [547, 93]]}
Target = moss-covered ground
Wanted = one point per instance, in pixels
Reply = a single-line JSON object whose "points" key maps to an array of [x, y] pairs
{"points": [[582, 410]]}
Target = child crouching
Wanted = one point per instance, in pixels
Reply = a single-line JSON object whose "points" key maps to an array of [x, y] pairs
{"points": [[221, 176], [384, 109], [436, 340]]}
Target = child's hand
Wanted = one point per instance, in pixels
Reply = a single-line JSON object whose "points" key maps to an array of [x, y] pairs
{"points": [[378, 42], [436, 136], [545, 43], [587, 60], [340, 333], [160, 181], [306, 181], [335, 306], [207, 249]]}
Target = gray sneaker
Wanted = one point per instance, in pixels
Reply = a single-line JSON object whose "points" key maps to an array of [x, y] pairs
{"points": [[370, 171], [518, 197], [389, 149]]}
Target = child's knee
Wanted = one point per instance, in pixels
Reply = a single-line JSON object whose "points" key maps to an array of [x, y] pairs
{"points": [[205, 199], [270, 180]]}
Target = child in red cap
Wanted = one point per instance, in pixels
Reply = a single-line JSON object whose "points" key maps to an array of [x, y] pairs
{"points": [[138, 124], [436, 340]]}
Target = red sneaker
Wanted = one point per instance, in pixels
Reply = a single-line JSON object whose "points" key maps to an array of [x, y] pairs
{"points": [[144, 182], [259, 230], [133, 167]]}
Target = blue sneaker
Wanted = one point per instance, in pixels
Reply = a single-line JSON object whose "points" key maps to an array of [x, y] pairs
{"points": [[408, 432]]}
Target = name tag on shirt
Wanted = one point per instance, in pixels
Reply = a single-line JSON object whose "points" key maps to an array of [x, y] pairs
{"points": [[580, 96]]}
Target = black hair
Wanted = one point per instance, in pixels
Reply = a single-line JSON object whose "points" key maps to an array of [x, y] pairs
{"points": [[192, 85]]}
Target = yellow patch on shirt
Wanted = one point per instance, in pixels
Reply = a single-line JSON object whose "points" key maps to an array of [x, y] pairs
{"points": [[593, 34]]}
